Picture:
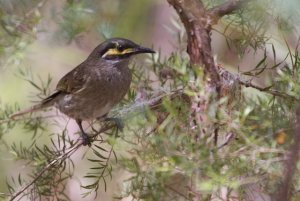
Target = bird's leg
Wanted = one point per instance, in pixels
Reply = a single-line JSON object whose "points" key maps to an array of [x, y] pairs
{"points": [[84, 136]]}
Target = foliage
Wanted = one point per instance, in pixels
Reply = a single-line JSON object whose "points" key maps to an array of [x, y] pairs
{"points": [[171, 147]]}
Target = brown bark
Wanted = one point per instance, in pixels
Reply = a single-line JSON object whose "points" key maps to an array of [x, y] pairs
{"points": [[290, 166], [227, 8], [196, 22]]}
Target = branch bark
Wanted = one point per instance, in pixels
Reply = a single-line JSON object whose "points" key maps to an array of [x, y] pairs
{"points": [[226, 8], [196, 22], [268, 90], [284, 190]]}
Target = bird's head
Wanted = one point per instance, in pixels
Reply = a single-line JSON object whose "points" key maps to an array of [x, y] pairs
{"points": [[118, 49]]}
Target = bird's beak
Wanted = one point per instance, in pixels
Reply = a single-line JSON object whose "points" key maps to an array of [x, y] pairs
{"points": [[140, 50]]}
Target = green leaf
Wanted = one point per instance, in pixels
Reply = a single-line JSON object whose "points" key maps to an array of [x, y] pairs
{"points": [[101, 148], [99, 155]]}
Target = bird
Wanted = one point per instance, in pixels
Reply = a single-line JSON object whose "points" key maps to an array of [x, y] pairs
{"points": [[95, 86]]}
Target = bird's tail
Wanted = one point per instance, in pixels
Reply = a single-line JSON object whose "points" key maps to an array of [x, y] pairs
{"points": [[26, 111], [47, 102]]}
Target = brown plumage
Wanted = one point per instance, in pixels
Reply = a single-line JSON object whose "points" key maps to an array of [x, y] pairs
{"points": [[91, 89]]}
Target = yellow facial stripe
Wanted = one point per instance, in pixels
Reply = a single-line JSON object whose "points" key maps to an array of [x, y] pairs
{"points": [[115, 52]]}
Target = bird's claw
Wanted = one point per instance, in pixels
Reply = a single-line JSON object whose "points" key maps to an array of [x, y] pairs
{"points": [[85, 139]]}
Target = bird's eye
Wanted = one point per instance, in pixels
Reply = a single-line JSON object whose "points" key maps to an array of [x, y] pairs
{"points": [[117, 50], [120, 48]]}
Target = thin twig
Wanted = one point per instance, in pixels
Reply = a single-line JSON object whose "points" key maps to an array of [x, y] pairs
{"points": [[231, 77], [268, 90], [60, 158], [47, 167], [230, 137]]}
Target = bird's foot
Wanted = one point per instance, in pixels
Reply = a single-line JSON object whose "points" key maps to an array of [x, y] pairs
{"points": [[86, 140], [117, 121]]}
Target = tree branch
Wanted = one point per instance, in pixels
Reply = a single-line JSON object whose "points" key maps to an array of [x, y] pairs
{"points": [[229, 79], [267, 90], [196, 22], [284, 190], [226, 8]]}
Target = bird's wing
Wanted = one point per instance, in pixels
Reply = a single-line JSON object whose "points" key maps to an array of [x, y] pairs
{"points": [[72, 81]]}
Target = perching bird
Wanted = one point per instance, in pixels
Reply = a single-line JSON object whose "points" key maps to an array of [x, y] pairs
{"points": [[91, 89]]}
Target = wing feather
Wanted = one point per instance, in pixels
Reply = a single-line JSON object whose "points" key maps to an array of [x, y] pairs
{"points": [[72, 81]]}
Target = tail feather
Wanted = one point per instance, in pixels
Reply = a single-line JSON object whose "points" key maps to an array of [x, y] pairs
{"points": [[47, 102], [26, 111]]}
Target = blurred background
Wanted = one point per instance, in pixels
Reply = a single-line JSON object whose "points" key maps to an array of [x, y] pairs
{"points": [[42, 38]]}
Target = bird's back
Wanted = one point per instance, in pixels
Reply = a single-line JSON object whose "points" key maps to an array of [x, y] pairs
{"points": [[98, 87]]}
